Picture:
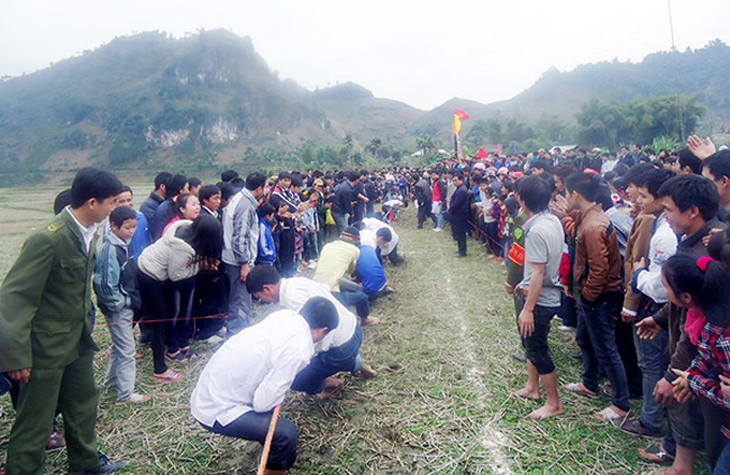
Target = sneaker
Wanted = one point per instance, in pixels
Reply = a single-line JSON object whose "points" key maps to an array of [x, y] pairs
{"points": [[437, 230], [136, 399], [565, 328]]}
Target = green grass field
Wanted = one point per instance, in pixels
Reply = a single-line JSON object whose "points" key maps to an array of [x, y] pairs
{"points": [[441, 404]]}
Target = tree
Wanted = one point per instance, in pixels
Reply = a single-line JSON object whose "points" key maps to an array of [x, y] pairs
{"points": [[425, 143]]}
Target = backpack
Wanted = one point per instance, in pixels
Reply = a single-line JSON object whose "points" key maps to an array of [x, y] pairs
{"points": [[128, 277]]}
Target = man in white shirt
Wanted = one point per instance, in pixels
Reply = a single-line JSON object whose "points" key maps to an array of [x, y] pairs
{"points": [[249, 376], [339, 351], [386, 239]]}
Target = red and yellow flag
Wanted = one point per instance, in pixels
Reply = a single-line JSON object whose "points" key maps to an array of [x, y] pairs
{"points": [[459, 115]]}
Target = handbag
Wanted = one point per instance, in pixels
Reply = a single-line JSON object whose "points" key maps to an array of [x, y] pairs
{"points": [[328, 219]]}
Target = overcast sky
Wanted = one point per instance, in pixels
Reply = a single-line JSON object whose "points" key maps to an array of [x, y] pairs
{"points": [[419, 52]]}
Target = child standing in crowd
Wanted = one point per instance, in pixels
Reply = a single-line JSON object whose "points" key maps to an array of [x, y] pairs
{"points": [[117, 296], [310, 225], [267, 223]]}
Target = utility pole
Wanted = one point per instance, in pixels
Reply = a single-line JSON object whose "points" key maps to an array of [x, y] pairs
{"points": [[671, 24]]}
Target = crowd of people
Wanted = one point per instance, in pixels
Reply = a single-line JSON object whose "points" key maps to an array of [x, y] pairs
{"points": [[184, 268], [630, 250]]}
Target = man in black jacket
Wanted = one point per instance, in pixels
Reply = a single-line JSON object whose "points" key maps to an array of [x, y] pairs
{"points": [[459, 213], [342, 208]]}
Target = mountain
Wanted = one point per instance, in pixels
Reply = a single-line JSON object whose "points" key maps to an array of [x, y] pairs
{"points": [[150, 100]]}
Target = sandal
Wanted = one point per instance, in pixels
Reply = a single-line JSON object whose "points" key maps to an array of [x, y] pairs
{"points": [[170, 377], [634, 426], [188, 352], [611, 415], [179, 356], [578, 388], [656, 454]]}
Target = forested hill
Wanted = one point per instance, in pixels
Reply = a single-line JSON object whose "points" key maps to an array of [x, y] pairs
{"points": [[150, 100], [704, 72]]}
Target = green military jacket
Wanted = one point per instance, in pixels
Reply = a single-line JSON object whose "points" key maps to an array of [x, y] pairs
{"points": [[45, 300]]}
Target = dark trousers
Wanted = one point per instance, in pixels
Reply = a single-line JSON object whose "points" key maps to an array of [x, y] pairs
{"points": [[653, 357], [458, 231], [597, 341], [286, 253], [240, 309], [254, 426], [158, 299], [715, 417], [358, 300], [341, 220], [208, 303], [628, 354], [493, 242], [72, 388], [424, 212], [722, 467], [180, 329], [568, 311], [325, 364], [536, 346]]}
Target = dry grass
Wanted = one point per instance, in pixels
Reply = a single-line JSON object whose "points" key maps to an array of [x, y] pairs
{"points": [[441, 404]]}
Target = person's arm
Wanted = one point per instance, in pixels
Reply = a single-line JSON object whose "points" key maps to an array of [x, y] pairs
{"points": [[526, 320], [684, 353], [640, 239], [648, 281], [107, 276], [20, 299], [278, 380], [701, 379], [597, 261]]}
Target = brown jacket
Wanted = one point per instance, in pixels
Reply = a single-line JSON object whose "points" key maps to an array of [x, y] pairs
{"points": [[636, 248], [597, 261]]}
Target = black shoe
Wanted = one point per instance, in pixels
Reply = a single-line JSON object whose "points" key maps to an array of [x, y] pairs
{"points": [[458, 254], [518, 357], [107, 466]]}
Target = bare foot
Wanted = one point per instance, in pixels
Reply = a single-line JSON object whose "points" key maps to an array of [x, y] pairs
{"points": [[527, 393], [370, 321], [331, 387], [367, 371], [546, 411]]}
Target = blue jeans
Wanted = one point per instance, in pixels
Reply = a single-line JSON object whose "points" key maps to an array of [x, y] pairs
{"points": [[341, 220], [355, 299], [597, 341], [121, 370], [325, 364], [254, 426], [722, 467], [240, 309], [653, 357]]}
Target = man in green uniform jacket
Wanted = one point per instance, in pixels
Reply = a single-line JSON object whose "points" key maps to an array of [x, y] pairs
{"points": [[45, 331]]}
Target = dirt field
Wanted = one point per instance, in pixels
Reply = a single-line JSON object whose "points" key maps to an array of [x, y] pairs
{"points": [[441, 404]]}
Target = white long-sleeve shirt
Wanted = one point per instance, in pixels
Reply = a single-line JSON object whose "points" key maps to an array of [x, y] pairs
{"points": [[373, 225], [253, 370], [662, 246], [294, 293]]}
